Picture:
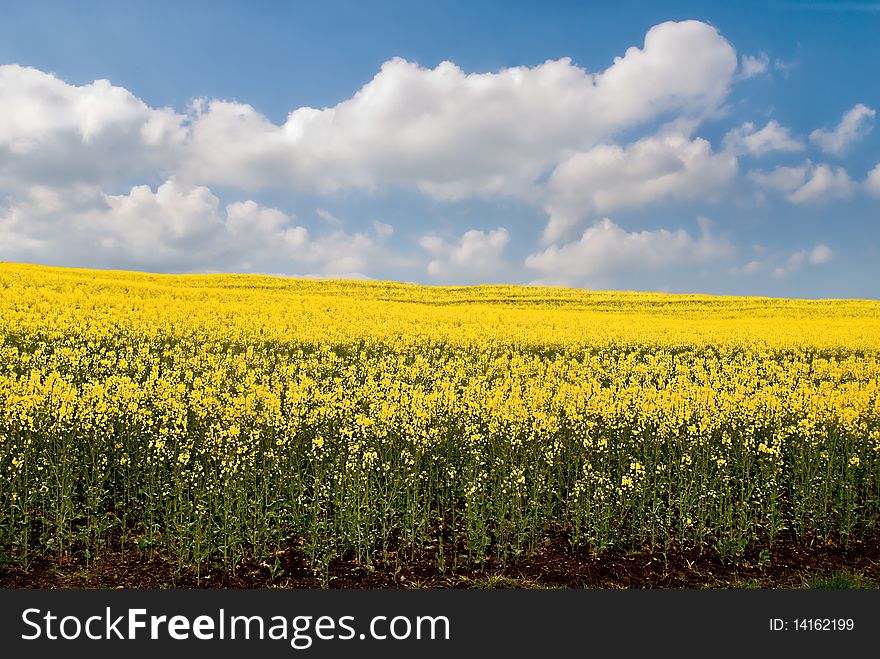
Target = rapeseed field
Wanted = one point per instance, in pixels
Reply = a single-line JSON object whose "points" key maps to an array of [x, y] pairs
{"points": [[219, 419]]}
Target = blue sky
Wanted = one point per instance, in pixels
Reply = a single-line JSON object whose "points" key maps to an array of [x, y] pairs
{"points": [[692, 146]]}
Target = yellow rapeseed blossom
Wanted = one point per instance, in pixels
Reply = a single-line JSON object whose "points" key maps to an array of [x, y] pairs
{"points": [[224, 416]]}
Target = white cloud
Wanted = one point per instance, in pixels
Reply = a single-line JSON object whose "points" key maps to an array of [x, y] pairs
{"points": [[341, 253], [451, 134], [872, 183], [782, 265], [607, 248], [818, 255], [444, 132], [543, 133], [752, 66], [855, 124], [475, 256], [178, 227], [157, 225], [382, 230], [55, 133], [772, 137], [783, 179], [328, 217], [750, 268], [653, 169], [825, 183], [807, 183]]}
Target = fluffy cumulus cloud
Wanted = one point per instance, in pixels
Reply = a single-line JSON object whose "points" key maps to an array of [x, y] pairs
{"points": [[452, 134], [82, 167], [824, 183], [855, 124], [176, 227], [872, 183], [52, 133], [746, 140], [476, 255], [606, 248], [807, 183], [609, 177], [781, 179], [70, 153]]}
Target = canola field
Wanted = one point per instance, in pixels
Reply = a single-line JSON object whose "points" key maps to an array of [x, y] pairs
{"points": [[221, 419]]}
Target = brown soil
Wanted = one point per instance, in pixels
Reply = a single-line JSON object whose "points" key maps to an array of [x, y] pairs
{"points": [[787, 565]]}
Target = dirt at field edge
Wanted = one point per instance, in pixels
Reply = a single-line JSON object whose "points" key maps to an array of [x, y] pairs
{"points": [[556, 565]]}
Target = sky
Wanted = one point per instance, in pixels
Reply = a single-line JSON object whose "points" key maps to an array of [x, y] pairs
{"points": [[696, 147]]}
